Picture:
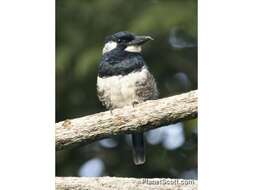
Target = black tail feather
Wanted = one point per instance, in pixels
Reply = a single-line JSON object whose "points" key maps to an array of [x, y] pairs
{"points": [[138, 148]]}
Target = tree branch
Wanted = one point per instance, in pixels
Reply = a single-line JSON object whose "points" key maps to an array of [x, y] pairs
{"points": [[145, 116], [119, 183]]}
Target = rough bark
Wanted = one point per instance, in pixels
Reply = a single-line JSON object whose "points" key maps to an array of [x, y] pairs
{"points": [[118, 183], [145, 116]]}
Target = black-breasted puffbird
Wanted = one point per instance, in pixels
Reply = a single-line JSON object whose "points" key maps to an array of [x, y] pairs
{"points": [[124, 79]]}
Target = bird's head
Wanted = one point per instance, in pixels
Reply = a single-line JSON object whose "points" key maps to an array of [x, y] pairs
{"points": [[125, 41]]}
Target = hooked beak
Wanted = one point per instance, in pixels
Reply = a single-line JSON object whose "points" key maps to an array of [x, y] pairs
{"points": [[139, 40]]}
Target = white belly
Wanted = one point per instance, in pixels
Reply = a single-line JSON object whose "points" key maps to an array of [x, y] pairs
{"points": [[119, 91]]}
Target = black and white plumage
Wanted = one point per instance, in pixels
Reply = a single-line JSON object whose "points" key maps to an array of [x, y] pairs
{"points": [[124, 79]]}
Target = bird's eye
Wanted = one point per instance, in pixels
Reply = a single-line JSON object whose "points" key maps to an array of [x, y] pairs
{"points": [[119, 40]]}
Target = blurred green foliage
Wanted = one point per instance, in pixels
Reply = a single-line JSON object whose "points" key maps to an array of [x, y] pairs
{"points": [[81, 26]]}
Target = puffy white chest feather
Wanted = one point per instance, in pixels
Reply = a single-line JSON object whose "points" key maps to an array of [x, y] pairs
{"points": [[119, 91]]}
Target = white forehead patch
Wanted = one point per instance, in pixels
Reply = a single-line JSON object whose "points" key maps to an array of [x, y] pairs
{"points": [[109, 46], [133, 49]]}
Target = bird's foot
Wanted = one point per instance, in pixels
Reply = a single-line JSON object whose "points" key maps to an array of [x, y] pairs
{"points": [[134, 103]]}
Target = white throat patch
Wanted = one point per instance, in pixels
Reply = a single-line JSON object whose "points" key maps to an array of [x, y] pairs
{"points": [[133, 48], [109, 46]]}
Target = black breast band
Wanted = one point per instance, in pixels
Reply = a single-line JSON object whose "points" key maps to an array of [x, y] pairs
{"points": [[120, 63]]}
